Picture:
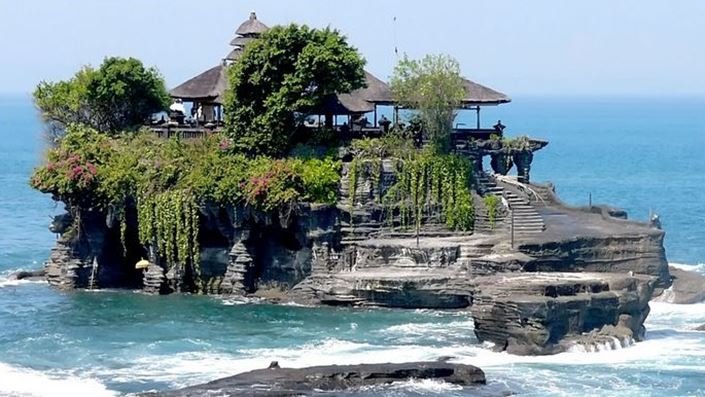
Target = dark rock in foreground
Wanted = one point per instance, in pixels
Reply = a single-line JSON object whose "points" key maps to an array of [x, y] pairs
{"points": [[276, 381], [688, 287], [28, 275]]}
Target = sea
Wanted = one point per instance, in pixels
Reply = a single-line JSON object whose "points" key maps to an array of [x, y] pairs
{"points": [[645, 155]]}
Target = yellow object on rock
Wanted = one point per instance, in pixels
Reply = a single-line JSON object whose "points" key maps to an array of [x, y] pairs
{"points": [[143, 264]]}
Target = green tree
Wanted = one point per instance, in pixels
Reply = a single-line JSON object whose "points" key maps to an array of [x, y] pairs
{"points": [[289, 70], [434, 87], [118, 96]]}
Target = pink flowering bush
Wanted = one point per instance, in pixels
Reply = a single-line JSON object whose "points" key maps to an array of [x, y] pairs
{"points": [[72, 170], [93, 170]]}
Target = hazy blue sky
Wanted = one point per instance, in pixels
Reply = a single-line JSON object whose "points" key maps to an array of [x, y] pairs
{"points": [[537, 47]]}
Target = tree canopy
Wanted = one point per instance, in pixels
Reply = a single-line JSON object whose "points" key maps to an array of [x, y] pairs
{"points": [[118, 96], [289, 70], [434, 87]]}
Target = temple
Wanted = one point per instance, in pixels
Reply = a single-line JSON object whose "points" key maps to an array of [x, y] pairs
{"points": [[540, 277], [352, 115]]}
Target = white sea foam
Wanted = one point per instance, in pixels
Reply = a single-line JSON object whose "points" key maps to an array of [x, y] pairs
{"points": [[425, 386], [663, 351], [416, 329], [7, 281], [700, 267], [24, 382], [610, 343]]}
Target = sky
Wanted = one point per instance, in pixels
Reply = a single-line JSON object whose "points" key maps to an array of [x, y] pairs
{"points": [[520, 47]]}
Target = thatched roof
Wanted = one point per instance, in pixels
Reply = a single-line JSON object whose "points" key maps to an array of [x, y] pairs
{"points": [[344, 104], [241, 41], [207, 86], [251, 27], [234, 55], [362, 100], [377, 91], [477, 94]]}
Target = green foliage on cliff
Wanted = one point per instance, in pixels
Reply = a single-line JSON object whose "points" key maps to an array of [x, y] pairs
{"points": [[117, 96], [492, 205], [427, 182], [434, 87], [92, 170], [517, 144], [166, 180], [289, 69]]}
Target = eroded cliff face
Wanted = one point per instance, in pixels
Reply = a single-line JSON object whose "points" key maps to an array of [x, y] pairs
{"points": [[639, 253], [583, 280], [552, 312], [89, 253]]}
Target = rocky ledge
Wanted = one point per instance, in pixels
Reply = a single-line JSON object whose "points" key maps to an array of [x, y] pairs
{"points": [[564, 278], [276, 381], [548, 313], [32, 275], [688, 287], [582, 283]]}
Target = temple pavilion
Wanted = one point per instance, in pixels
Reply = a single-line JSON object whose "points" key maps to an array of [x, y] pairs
{"points": [[205, 94]]}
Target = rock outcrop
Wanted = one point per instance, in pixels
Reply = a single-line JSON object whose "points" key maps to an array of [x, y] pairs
{"points": [[28, 275], [582, 279], [546, 313], [276, 381], [688, 287]]}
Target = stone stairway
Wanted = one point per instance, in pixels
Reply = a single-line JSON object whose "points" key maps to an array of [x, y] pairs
{"points": [[362, 226], [526, 219], [470, 252]]}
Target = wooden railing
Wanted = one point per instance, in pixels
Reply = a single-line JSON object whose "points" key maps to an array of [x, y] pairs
{"points": [[464, 134], [183, 132]]}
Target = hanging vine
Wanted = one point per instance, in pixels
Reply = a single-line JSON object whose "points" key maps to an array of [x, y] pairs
{"points": [[169, 221], [491, 204], [429, 183], [123, 230], [353, 179]]}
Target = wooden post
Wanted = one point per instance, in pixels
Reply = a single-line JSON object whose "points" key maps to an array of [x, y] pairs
{"points": [[477, 109], [375, 125]]}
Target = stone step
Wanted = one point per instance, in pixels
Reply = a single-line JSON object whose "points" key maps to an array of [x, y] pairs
{"points": [[528, 230], [528, 220], [357, 230], [375, 225]]}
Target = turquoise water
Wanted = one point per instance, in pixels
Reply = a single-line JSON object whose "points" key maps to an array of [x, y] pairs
{"points": [[636, 154]]}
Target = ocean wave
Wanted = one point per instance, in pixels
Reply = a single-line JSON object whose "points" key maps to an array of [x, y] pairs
{"points": [[700, 267], [189, 368], [7, 279], [426, 386], [425, 328], [25, 382], [660, 351], [415, 386]]}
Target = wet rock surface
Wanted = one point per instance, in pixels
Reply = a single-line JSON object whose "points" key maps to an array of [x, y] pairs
{"points": [[533, 314], [688, 287], [276, 381], [28, 275]]}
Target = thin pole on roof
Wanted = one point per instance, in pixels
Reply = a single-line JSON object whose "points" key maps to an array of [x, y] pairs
{"points": [[396, 47]]}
